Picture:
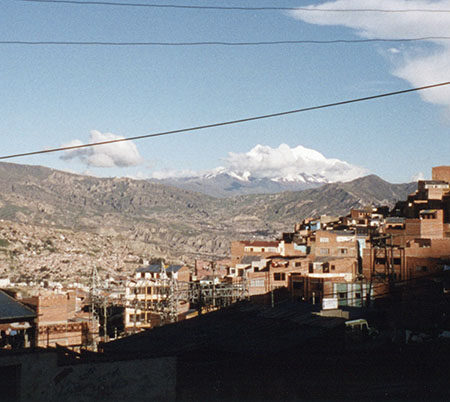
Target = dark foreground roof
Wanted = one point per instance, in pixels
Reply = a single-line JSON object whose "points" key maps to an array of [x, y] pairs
{"points": [[12, 311], [244, 329]]}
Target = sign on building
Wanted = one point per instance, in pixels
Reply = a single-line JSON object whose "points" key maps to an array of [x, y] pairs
{"points": [[330, 303]]}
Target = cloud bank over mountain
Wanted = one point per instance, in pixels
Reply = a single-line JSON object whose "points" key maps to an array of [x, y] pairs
{"points": [[298, 164], [291, 164], [419, 64], [121, 154]]}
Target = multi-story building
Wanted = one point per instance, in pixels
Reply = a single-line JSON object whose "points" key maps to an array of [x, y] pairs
{"points": [[58, 321], [353, 257], [415, 243], [152, 296]]}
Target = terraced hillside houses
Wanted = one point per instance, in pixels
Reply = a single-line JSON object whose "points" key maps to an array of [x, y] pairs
{"points": [[356, 258]]}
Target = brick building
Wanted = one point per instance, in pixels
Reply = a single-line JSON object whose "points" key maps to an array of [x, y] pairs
{"points": [[57, 320], [415, 243], [356, 257]]}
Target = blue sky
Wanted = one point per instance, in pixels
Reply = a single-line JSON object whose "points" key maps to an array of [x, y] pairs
{"points": [[51, 96]]}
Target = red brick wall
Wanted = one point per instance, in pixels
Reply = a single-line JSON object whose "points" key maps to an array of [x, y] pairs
{"points": [[51, 309], [441, 173], [433, 228], [184, 274], [62, 334], [289, 250], [334, 247]]}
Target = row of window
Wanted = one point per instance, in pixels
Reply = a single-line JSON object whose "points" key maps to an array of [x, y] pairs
{"points": [[140, 318], [148, 290], [326, 251]]}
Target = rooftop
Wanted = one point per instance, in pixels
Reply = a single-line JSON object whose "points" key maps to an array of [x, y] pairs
{"points": [[248, 259], [156, 268], [12, 310], [243, 328], [261, 243]]}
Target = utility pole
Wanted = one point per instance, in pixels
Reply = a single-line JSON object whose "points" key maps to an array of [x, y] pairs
{"points": [[105, 320], [94, 296], [214, 284]]}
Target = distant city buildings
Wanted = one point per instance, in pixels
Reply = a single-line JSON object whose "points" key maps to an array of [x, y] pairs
{"points": [[348, 261]]}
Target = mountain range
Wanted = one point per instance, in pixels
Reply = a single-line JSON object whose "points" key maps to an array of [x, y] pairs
{"points": [[146, 219], [224, 183]]}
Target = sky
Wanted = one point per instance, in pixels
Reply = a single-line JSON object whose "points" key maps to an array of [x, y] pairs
{"points": [[53, 96]]}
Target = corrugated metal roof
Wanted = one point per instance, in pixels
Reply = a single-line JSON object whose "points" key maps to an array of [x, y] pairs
{"points": [[156, 268], [11, 309]]}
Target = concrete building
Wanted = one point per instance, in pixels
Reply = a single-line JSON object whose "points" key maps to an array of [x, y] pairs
{"points": [[151, 296]]}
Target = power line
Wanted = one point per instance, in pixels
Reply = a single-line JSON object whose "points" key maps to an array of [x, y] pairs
{"points": [[237, 8], [220, 43], [227, 123]]}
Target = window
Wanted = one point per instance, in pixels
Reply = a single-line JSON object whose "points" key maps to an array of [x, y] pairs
{"points": [[278, 276], [343, 251], [257, 283], [324, 240], [333, 267], [324, 251], [311, 268], [342, 295], [262, 250], [297, 285], [298, 264], [421, 269]]}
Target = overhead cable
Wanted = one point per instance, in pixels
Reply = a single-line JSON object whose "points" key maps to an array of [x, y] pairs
{"points": [[227, 123], [219, 43], [239, 8]]}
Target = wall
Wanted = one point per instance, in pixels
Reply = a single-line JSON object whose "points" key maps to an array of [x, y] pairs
{"points": [[132, 380], [441, 173], [433, 228], [327, 240]]}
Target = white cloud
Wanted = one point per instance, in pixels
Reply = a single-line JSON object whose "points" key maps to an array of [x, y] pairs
{"points": [[121, 154], [284, 163], [418, 176], [288, 163], [172, 173], [418, 64]]}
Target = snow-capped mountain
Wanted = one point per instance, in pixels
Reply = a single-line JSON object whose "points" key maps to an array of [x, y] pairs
{"points": [[265, 170]]}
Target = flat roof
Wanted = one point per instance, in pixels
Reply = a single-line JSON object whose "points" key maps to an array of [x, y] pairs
{"points": [[261, 243]]}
